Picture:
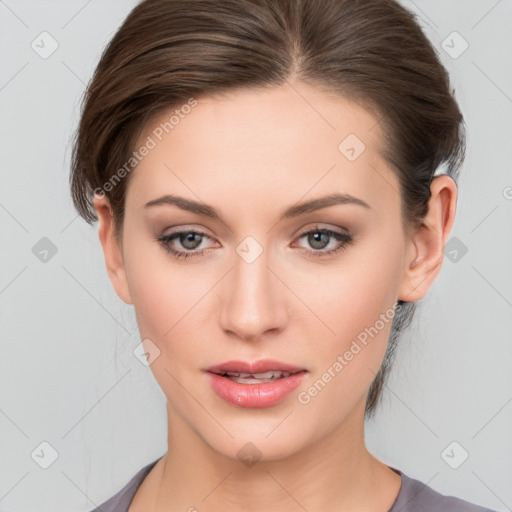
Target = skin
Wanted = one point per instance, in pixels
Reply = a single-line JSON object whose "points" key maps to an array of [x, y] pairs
{"points": [[252, 154]]}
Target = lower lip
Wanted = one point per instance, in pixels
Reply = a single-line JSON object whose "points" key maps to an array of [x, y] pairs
{"points": [[265, 394]]}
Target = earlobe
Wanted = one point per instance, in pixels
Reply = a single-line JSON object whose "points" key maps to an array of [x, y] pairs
{"points": [[426, 246], [111, 249]]}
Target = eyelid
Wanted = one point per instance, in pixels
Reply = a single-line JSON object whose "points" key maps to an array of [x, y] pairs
{"points": [[319, 226], [344, 238], [184, 227]]}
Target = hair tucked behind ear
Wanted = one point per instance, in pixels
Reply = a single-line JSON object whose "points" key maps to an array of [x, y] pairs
{"points": [[373, 52]]}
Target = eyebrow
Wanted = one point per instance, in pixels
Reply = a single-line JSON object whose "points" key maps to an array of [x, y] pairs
{"points": [[293, 211]]}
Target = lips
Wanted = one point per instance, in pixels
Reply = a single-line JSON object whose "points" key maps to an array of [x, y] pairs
{"points": [[256, 367], [254, 378], [259, 384]]}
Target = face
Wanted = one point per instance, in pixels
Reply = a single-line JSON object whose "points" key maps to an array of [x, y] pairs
{"points": [[312, 287]]}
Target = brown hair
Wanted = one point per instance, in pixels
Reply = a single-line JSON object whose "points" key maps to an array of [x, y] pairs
{"points": [[372, 52]]}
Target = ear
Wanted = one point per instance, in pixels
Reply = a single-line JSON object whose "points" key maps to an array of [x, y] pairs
{"points": [[426, 245], [111, 249]]}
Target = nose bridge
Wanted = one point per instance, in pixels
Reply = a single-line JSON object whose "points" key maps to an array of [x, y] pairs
{"points": [[253, 304]]}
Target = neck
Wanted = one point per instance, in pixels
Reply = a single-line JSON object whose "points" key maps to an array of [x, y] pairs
{"points": [[335, 473]]}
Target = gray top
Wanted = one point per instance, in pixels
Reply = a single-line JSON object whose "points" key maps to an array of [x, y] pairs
{"points": [[414, 496]]}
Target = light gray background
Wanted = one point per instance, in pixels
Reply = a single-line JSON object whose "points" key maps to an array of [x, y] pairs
{"points": [[68, 374]]}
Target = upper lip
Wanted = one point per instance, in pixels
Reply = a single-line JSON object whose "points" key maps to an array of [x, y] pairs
{"points": [[261, 366]]}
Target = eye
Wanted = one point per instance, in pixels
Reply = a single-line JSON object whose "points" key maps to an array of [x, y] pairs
{"points": [[319, 238], [188, 239]]}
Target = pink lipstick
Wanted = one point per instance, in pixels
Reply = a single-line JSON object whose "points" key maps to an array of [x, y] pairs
{"points": [[259, 384]]}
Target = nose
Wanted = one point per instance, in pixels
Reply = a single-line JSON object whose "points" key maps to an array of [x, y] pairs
{"points": [[253, 300]]}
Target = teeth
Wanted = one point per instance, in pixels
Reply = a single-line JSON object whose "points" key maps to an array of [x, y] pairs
{"points": [[267, 376]]}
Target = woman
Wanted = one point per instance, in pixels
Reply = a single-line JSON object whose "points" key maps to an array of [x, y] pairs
{"points": [[274, 183]]}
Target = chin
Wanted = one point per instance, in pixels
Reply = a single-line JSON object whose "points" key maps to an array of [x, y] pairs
{"points": [[262, 438], [250, 449]]}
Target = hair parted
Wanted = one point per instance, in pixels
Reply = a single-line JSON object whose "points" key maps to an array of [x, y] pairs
{"points": [[373, 52]]}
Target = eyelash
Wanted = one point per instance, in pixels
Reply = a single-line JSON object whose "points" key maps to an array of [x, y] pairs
{"points": [[341, 237]]}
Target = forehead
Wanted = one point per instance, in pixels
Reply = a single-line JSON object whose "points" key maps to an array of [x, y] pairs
{"points": [[279, 144]]}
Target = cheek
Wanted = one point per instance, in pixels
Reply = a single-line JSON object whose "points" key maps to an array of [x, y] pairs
{"points": [[358, 304], [351, 297], [162, 293], [171, 302], [166, 302], [346, 364]]}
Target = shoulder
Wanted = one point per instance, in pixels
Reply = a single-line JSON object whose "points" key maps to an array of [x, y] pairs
{"points": [[121, 500], [415, 496]]}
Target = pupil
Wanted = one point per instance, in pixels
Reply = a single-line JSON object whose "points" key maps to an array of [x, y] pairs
{"points": [[189, 238], [317, 239]]}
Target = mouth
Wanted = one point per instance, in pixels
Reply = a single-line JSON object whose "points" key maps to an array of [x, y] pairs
{"points": [[255, 378], [260, 384], [264, 370]]}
